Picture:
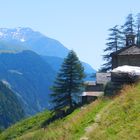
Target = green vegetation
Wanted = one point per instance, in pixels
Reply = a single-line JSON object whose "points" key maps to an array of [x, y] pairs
{"points": [[120, 119], [24, 71], [114, 44], [24, 126], [71, 127], [69, 81], [104, 119]]}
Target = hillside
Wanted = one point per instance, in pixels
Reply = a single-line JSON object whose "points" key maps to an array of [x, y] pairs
{"points": [[103, 119], [72, 126], [120, 119], [11, 110], [29, 76]]}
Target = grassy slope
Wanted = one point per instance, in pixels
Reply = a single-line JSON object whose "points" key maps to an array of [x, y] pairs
{"points": [[101, 120], [27, 125], [120, 119], [71, 127]]}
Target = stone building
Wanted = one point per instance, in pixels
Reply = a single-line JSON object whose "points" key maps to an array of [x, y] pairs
{"points": [[129, 55], [92, 91], [95, 89]]}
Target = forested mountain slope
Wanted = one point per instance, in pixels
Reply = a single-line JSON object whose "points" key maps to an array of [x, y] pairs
{"points": [[30, 77], [11, 109]]}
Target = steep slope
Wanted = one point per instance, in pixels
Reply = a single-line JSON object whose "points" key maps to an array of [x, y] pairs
{"points": [[101, 120], [29, 76], [120, 119], [7, 46], [11, 109], [69, 128], [28, 39]]}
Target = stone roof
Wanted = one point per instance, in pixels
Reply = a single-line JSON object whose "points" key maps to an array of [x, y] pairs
{"points": [[103, 78], [89, 83], [93, 93], [132, 50]]}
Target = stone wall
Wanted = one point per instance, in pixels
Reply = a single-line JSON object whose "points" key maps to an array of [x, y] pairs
{"points": [[120, 60]]}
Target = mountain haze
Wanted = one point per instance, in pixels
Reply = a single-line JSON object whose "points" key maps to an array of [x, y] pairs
{"points": [[29, 76], [56, 63], [28, 39]]}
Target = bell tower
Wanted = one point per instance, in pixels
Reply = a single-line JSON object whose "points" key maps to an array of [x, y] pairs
{"points": [[130, 40]]}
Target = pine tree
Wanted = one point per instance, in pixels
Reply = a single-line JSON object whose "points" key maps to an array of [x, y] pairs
{"points": [[129, 25], [115, 42], [68, 82]]}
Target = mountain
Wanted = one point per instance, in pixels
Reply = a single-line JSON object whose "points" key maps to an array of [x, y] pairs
{"points": [[18, 39], [56, 63], [28, 39], [104, 119], [29, 63], [11, 109], [27, 74]]}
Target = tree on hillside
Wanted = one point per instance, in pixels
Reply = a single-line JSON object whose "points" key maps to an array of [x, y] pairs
{"points": [[115, 42], [68, 82]]}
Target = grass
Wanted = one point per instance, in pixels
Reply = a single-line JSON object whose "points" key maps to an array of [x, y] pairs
{"points": [[104, 119], [120, 119], [24, 126], [71, 127]]}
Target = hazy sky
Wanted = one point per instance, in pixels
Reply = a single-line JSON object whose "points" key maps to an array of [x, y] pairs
{"points": [[80, 25]]}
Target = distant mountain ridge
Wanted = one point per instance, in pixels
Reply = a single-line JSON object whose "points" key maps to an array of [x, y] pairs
{"points": [[56, 63], [26, 38], [22, 38]]}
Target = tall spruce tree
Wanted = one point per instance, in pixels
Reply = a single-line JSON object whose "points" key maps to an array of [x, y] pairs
{"points": [[68, 82], [115, 42], [129, 25]]}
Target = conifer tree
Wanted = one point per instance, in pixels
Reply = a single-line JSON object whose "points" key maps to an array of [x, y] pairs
{"points": [[129, 25], [117, 39], [115, 42], [68, 82]]}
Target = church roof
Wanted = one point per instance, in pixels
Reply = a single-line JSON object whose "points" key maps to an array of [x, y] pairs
{"points": [[93, 93], [132, 50]]}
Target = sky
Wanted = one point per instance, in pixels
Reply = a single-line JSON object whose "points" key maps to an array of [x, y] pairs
{"points": [[81, 25]]}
